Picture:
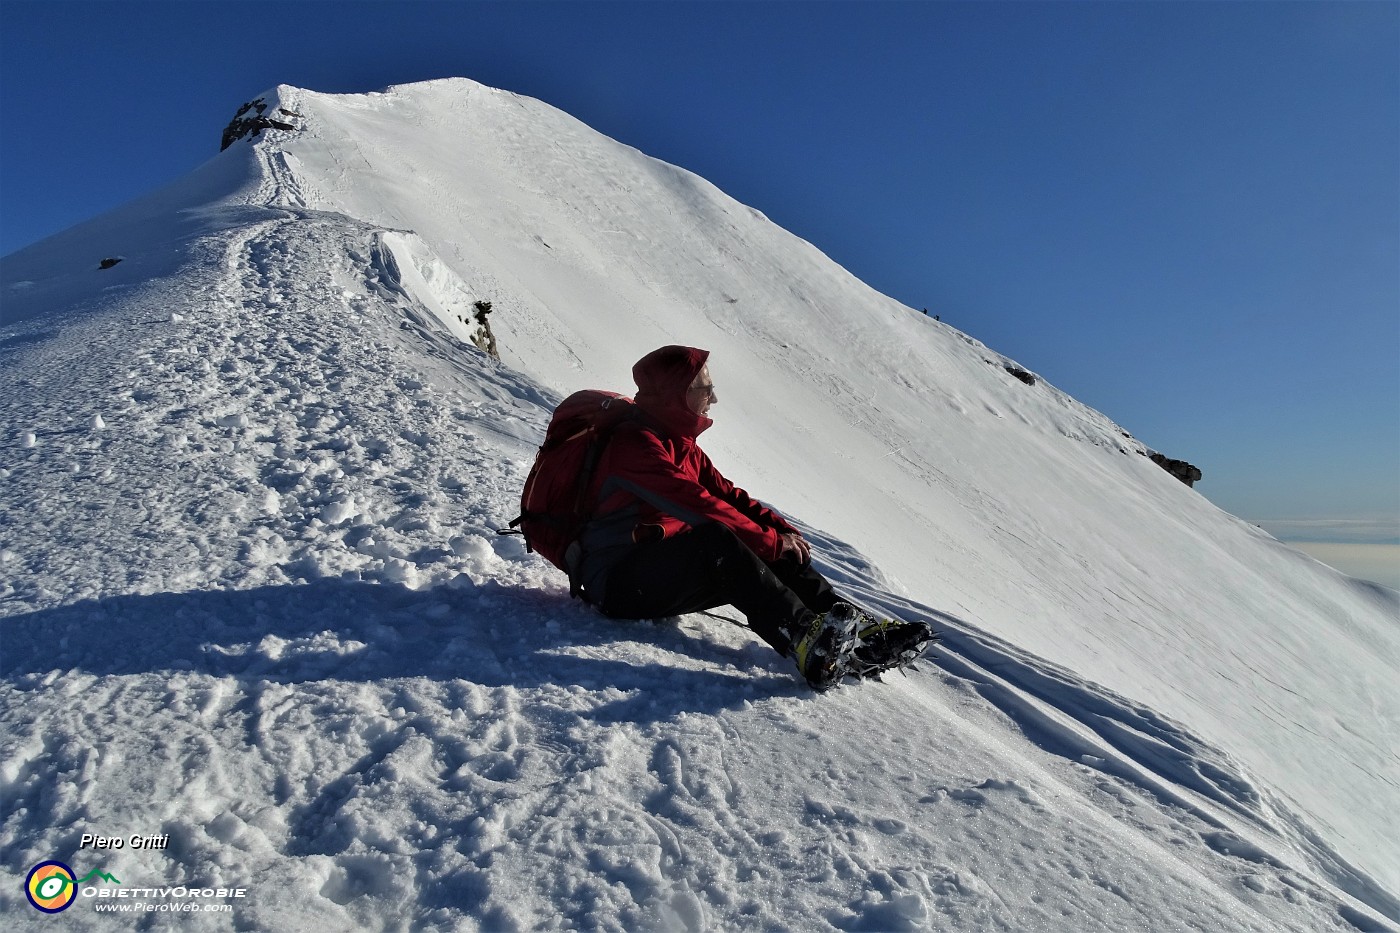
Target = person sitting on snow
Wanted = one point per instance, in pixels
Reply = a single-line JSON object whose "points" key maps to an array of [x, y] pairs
{"points": [[669, 534]]}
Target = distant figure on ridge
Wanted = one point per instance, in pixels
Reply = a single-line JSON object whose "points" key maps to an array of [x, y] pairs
{"points": [[658, 531]]}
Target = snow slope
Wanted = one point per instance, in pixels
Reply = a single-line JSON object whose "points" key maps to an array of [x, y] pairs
{"points": [[253, 597]]}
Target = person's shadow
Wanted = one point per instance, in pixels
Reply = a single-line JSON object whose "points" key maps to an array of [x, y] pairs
{"points": [[340, 630]]}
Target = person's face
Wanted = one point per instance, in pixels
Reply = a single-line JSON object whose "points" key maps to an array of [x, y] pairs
{"points": [[701, 394]]}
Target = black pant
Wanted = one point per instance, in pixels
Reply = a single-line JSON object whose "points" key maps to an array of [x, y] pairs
{"points": [[708, 567]]}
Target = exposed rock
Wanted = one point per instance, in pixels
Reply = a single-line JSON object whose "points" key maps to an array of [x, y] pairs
{"points": [[483, 338], [1182, 470], [1020, 374], [109, 262], [250, 121]]}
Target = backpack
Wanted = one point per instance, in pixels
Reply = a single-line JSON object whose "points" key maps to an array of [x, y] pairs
{"points": [[553, 504]]}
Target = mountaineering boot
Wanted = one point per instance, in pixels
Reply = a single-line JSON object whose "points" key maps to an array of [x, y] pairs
{"points": [[822, 645], [886, 644]]}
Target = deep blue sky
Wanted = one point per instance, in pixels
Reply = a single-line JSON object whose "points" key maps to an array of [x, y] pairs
{"points": [[1185, 214]]}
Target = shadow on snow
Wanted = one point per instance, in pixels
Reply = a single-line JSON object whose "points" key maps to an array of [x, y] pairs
{"points": [[339, 631]]}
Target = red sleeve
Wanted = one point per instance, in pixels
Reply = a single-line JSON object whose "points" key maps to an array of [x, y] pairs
{"points": [[640, 465], [720, 486]]}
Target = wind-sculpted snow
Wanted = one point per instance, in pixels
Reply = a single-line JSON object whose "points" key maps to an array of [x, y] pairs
{"points": [[252, 597]]}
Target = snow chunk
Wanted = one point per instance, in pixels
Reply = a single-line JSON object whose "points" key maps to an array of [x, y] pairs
{"points": [[401, 571], [906, 911], [323, 643], [341, 510]]}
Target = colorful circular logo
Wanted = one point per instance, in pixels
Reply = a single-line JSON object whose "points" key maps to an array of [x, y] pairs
{"points": [[51, 887]]}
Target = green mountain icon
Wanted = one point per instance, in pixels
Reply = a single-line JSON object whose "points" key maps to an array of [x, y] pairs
{"points": [[100, 874]]}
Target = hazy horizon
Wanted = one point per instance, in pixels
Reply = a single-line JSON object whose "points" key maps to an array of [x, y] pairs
{"points": [[1367, 549]]}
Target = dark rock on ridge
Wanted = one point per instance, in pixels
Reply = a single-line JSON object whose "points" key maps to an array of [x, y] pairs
{"points": [[1188, 474], [251, 120], [1020, 374]]}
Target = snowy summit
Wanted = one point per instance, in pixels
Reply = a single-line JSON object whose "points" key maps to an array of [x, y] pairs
{"points": [[267, 664]]}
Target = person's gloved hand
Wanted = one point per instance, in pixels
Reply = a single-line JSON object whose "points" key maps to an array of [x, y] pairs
{"points": [[796, 546], [643, 534]]}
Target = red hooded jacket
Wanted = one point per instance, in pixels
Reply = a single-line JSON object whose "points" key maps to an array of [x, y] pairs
{"points": [[654, 481]]}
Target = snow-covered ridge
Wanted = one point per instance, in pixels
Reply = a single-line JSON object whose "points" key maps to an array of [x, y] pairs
{"points": [[361, 701]]}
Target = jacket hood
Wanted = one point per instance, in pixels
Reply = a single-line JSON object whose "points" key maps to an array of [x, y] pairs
{"points": [[662, 378]]}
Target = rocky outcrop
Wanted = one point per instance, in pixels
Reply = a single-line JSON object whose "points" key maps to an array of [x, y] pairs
{"points": [[483, 338], [1020, 373], [1188, 474], [252, 119]]}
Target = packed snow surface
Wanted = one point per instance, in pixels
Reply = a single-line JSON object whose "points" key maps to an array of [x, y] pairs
{"points": [[254, 603]]}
